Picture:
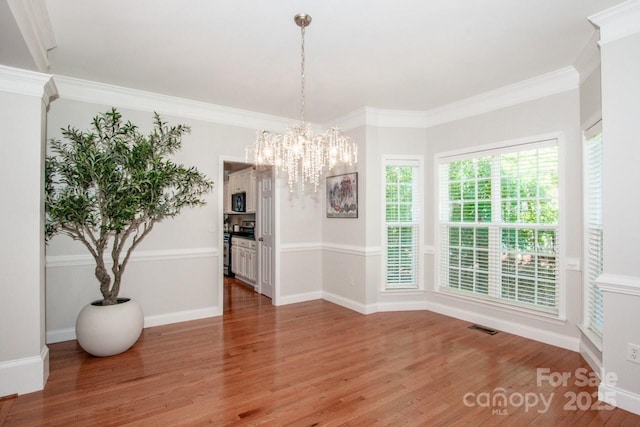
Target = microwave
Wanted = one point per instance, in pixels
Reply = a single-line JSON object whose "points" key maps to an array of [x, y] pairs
{"points": [[239, 202]]}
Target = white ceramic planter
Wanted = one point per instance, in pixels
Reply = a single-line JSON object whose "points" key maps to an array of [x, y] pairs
{"points": [[110, 329]]}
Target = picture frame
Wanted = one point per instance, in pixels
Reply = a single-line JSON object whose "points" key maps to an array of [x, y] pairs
{"points": [[342, 195]]}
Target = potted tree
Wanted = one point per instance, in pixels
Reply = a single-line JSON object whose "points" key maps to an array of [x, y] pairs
{"points": [[106, 188]]}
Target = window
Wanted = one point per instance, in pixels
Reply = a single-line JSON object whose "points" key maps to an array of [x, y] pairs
{"points": [[499, 225], [402, 223], [593, 246]]}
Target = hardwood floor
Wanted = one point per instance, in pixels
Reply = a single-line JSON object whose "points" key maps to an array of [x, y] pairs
{"points": [[313, 363]]}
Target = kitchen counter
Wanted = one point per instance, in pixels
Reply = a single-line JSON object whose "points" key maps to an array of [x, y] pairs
{"points": [[243, 234]]}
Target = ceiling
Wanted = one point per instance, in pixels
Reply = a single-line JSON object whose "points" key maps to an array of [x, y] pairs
{"points": [[400, 54]]}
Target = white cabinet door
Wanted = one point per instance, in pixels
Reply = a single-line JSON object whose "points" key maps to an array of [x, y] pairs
{"points": [[251, 190], [235, 259], [233, 182], [226, 198], [243, 261], [251, 265]]}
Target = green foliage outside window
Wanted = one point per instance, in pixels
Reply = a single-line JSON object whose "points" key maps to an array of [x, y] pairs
{"points": [[528, 200], [401, 256]]}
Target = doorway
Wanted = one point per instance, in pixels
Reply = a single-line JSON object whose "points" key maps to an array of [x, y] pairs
{"points": [[248, 229]]}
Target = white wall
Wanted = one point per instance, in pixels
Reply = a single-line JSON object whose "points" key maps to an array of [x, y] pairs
{"points": [[620, 281], [174, 272], [299, 237], [590, 114], [24, 359], [347, 272], [591, 99], [552, 114], [344, 239]]}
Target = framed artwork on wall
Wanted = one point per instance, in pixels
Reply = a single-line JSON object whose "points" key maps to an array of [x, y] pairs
{"points": [[342, 196]]}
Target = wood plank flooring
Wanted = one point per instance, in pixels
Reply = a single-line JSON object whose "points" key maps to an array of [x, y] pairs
{"points": [[313, 364]]}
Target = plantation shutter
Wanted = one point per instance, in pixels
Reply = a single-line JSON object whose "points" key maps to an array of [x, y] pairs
{"points": [[499, 225], [402, 223], [593, 230]]}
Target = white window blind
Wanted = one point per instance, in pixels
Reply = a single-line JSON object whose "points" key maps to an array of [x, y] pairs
{"points": [[402, 224], [499, 225], [593, 236]]}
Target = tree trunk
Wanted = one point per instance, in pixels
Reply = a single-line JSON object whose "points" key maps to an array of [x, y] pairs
{"points": [[105, 284]]}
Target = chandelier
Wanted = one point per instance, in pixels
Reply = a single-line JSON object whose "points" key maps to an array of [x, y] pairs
{"points": [[299, 152]]}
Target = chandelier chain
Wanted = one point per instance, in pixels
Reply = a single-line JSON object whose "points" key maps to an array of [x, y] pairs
{"points": [[302, 64]]}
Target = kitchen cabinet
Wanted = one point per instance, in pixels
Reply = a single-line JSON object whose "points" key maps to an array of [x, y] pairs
{"points": [[226, 198], [243, 181], [251, 191], [243, 259]]}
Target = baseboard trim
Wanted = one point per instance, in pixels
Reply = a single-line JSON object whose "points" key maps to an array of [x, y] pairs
{"points": [[293, 299], [69, 334], [402, 306], [544, 336], [182, 316], [623, 399], [590, 357], [26, 375], [60, 335], [349, 303], [535, 334]]}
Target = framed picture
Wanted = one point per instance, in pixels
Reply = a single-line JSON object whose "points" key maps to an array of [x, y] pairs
{"points": [[342, 196]]}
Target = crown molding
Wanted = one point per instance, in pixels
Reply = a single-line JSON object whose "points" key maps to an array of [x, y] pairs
{"points": [[101, 93], [542, 86], [618, 22], [31, 83], [538, 87], [33, 21], [350, 121]]}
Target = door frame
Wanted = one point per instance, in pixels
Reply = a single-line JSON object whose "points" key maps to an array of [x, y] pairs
{"points": [[218, 226]]}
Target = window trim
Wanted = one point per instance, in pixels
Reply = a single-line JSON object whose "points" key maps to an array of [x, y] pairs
{"points": [[403, 160], [588, 132], [518, 144]]}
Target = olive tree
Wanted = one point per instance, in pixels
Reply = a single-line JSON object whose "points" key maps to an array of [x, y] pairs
{"points": [[108, 187]]}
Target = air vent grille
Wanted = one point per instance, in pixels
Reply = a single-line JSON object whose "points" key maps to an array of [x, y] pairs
{"points": [[484, 329]]}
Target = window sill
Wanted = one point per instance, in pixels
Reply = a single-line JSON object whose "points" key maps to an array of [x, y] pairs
{"points": [[505, 308], [402, 291]]}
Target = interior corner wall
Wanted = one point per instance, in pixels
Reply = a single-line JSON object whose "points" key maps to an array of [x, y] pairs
{"points": [[23, 353], [344, 240], [299, 243], [352, 254], [590, 114], [591, 99], [558, 113]]}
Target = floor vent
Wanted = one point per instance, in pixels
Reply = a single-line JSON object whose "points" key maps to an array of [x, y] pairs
{"points": [[483, 329]]}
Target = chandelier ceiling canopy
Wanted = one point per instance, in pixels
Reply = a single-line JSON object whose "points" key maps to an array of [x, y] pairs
{"points": [[300, 153]]}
